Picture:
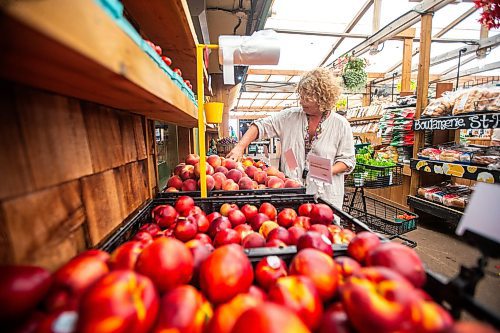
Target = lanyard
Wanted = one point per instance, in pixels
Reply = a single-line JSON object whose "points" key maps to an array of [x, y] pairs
{"points": [[308, 140]]}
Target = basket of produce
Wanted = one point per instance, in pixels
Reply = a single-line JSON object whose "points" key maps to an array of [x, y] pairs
{"points": [[225, 145], [379, 215], [226, 177], [374, 172]]}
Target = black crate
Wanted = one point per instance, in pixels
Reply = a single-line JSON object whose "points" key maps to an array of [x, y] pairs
{"points": [[369, 176], [208, 205], [380, 216], [221, 193]]}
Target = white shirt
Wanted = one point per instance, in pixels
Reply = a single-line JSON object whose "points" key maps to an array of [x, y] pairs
{"points": [[335, 142]]}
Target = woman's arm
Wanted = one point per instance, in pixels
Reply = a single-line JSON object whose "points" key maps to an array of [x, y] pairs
{"points": [[237, 152], [345, 159]]}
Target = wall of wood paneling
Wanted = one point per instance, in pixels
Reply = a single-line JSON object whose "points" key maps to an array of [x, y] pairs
{"points": [[72, 171]]}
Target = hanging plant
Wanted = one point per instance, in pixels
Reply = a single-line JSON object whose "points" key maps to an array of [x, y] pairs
{"points": [[490, 16], [354, 74]]}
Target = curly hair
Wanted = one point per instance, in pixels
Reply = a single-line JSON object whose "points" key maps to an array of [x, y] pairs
{"points": [[321, 86]]}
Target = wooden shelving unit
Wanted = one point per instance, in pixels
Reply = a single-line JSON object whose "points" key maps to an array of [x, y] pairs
{"points": [[449, 214], [369, 118], [79, 51], [169, 25]]}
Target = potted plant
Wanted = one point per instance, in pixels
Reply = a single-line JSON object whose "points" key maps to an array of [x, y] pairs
{"points": [[354, 74]]}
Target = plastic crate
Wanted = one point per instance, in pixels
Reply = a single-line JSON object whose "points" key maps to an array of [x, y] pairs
{"points": [[370, 176], [378, 215], [208, 205], [221, 193]]}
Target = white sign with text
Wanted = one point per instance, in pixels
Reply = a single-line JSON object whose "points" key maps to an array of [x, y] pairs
{"points": [[320, 168]]}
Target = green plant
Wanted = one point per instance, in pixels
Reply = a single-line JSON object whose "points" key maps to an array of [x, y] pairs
{"points": [[354, 74]]}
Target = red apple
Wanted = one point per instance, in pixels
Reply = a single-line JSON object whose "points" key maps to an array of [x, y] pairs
{"points": [[295, 233], [213, 216], [430, 317], [187, 172], [346, 267], [217, 225], [281, 176], [253, 240], [226, 208], [230, 185], [321, 229], [227, 236], [21, 289], [178, 168], [185, 229], [171, 189], [303, 222], [257, 221], [122, 301], [292, 183], [183, 205], [315, 240], [164, 215], [208, 169], [260, 177], [201, 222], [219, 179], [274, 182], [235, 175], [175, 181], [346, 236], [72, 279], [267, 227], [210, 181], [399, 258], [269, 318], [279, 233], [204, 238], [222, 170], [305, 209], [269, 210], [362, 244], [192, 159], [229, 164], [167, 262], [195, 210], [245, 183], [227, 314], [318, 266], [150, 228], [144, 237], [321, 214], [249, 211], [269, 270], [125, 256], [286, 217], [236, 217], [189, 185], [299, 294], [214, 161], [257, 293], [250, 171], [183, 309], [200, 251], [226, 273], [272, 171], [244, 230]]}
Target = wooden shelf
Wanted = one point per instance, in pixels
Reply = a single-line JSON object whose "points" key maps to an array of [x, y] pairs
{"points": [[74, 48], [169, 25], [449, 214], [369, 118], [472, 172]]}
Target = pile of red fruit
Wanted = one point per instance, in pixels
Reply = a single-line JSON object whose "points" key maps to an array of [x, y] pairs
{"points": [[250, 226], [227, 175], [168, 62], [168, 286]]}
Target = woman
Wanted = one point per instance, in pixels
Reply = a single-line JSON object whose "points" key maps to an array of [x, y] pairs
{"points": [[312, 129]]}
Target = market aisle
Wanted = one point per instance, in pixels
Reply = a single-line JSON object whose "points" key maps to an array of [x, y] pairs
{"points": [[443, 253]]}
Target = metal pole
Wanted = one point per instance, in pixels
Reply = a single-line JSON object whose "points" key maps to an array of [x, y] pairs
{"points": [[458, 68]]}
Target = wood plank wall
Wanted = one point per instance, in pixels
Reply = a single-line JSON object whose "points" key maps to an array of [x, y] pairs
{"points": [[71, 172]]}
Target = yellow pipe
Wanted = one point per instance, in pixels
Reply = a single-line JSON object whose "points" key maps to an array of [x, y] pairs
{"points": [[201, 115]]}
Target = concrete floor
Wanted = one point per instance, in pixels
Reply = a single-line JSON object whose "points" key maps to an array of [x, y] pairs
{"points": [[443, 253]]}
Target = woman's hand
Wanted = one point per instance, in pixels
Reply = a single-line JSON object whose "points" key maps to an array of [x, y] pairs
{"points": [[236, 153]]}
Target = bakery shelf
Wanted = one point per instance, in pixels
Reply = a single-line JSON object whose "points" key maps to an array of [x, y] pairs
{"points": [[447, 213], [477, 173], [487, 120], [369, 118], [169, 25], [77, 49]]}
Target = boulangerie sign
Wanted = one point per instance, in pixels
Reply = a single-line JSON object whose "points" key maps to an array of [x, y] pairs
{"points": [[320, 168]]}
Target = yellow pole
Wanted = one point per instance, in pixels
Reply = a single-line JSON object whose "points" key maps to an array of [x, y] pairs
{"points": [[201, 115]]}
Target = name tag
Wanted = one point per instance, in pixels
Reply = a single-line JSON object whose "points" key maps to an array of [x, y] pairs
{"points": [[320, 168]]}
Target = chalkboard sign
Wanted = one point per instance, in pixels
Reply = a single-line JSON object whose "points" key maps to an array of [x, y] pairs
{"points": [[468, 121]]}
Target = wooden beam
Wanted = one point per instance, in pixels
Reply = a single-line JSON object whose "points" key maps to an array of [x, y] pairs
{"points": [[406, 70], [377, 7], [422, 88]]}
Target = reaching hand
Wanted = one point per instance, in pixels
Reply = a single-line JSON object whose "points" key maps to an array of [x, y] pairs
{"points": [[235, 154]]}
